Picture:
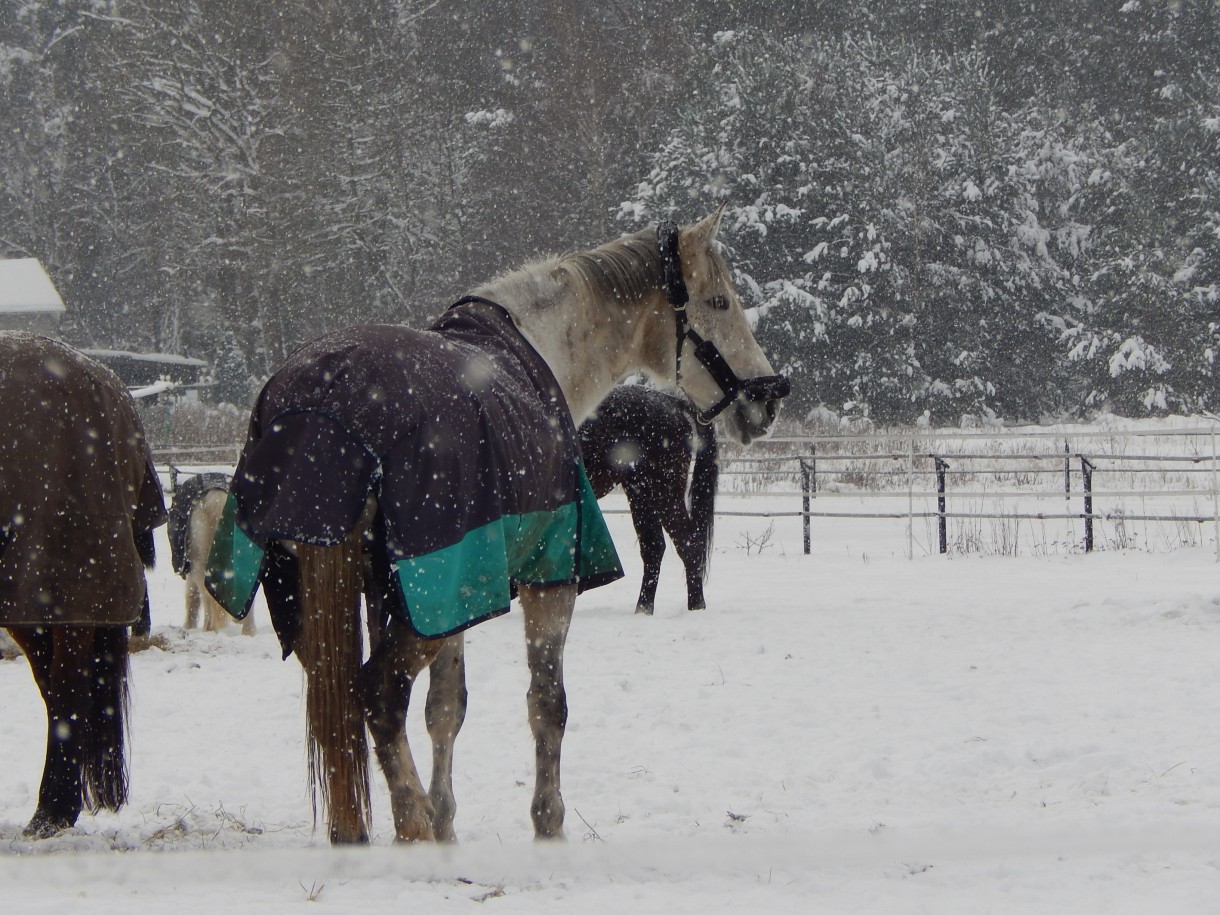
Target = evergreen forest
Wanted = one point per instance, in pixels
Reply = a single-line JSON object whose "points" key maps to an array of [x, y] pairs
{"points": [[1006, 209]]}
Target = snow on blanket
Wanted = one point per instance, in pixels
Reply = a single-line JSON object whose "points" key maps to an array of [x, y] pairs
{"points": [[463, 435]]}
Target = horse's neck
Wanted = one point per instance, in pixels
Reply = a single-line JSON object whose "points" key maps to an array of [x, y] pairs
{"points": [[590, 346]]}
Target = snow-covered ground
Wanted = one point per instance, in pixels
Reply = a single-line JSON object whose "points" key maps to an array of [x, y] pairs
{"points": [[852, 731]]}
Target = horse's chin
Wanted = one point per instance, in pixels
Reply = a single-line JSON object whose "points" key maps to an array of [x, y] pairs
{"points": [[751, 419]]}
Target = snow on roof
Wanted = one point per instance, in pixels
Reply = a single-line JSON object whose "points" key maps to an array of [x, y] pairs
{"points": [[152, 390], [25, 288], [162, 358]]}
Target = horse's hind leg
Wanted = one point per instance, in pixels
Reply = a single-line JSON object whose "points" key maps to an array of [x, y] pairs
{"points": [[444, 714], [690, 546], [215, 617], [103, 762], [247, 625], [384, 687], [59, 658], [192, 604], [647, 521], [548, 615]]}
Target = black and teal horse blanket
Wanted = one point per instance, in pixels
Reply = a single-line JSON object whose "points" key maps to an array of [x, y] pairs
{"points": [[464, 437], [187, 495]]}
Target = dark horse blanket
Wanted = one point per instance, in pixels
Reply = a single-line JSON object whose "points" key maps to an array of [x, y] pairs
{"points": [[463, 435], [186, 496], [77, 484]]}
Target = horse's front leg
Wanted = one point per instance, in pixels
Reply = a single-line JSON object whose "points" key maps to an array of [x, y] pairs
{"points": [[385, 690], [548, 614], [193, 603], [444, 714], [691, 544], [649, 531]]}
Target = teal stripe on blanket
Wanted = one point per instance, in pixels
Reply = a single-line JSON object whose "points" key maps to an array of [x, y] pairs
{"points": [[234, 564], [453, 588]]}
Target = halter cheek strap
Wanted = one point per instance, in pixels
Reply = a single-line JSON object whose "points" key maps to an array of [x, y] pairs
{"points": [[763, 387]]}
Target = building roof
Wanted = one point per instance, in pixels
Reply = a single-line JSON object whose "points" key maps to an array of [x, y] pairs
{"points": [[25, 288], [138, 370]]}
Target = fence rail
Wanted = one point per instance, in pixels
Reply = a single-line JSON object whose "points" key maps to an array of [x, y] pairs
{"points": [[924, 465], [927, 456]]}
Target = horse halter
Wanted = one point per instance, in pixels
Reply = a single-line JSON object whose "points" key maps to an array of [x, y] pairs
{"points": [[762, 387]]}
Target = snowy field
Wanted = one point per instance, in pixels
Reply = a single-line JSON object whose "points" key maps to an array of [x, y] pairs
{"points": [[851, 731]]}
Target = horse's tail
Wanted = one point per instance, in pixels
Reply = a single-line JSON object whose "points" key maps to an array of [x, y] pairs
{"points": [[330, 649], [704, 480], [103, 758]]}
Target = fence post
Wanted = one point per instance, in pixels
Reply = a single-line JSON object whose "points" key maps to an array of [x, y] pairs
{"points": [[808, 487], [911, 499], [941, 467], [1215, 495], [1086, 475], [1067, 471]]}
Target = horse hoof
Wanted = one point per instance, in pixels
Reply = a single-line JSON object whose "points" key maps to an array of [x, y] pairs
{"points": [[414, 833], [45, 826], [644, 609], [360, 839]]}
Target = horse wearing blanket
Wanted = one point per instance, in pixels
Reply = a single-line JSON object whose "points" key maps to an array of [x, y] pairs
{"points": [[194, 516], [79, 500], [437, 473]]}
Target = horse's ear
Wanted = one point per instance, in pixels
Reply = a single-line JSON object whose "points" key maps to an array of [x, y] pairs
{"points": [[703, 232]]}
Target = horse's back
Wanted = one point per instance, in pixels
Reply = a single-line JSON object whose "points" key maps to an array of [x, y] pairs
{"points": [[410, 412], [77, 488], [634, 428]]}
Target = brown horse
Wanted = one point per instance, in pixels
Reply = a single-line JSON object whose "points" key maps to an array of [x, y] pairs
{"points": [[79, 499], [652, 444], [438, 473]]}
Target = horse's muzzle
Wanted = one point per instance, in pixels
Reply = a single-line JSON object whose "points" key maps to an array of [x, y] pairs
{"points": [[766, 388], [757, 405]]}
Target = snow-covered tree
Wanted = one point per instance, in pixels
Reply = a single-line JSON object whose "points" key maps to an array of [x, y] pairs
{"points": [[880, 220], [1146, 335], [62, 199]]}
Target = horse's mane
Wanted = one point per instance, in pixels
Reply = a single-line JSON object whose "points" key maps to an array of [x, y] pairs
{"points": [[627, 269]]}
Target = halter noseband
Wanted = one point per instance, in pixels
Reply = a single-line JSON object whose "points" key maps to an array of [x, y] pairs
{"points": [[763, 387]]}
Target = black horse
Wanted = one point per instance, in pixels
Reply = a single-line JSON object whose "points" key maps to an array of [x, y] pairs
{"points": [[644, 440]]}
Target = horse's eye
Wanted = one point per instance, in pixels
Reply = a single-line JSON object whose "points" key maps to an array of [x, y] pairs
{"points": [[719, 302]]}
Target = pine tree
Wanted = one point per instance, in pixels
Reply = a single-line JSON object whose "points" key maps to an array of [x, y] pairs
{"points": [[880, 222], [232, 383]]}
